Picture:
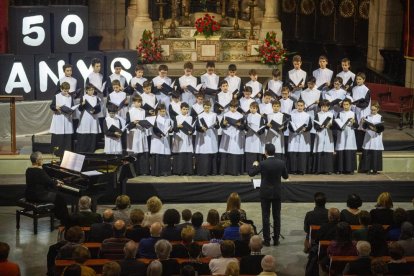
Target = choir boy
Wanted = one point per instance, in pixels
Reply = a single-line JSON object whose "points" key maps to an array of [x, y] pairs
{"points": [[323, 148], [275, 84], [296, 77], [182, 146], [61, 127], [246, 100], [137, 82], [89, 124], [255, 85], [197, 108], [118, 98], [73, 90], [210, 81], [96, 79], [175, 105], [299, 139], [361, 97], [286, 106], [222, 103], [277, 123], [158, 82], [137, 141], [346, 146], [160, 143], [323, 75], [234, 81], [112, 129], [149, 101], [336, 95], [347, 76], [232, 141], [187, 80], [311, 97], [116, 76], [265, 107], [373, 147], [255, 128], [206, 143]]}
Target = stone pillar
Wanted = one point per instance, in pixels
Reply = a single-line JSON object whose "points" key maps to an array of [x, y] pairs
{"points": [[271, 20], [409, 73], [138, 20]]}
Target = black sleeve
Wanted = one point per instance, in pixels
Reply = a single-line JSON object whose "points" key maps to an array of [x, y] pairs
{"points": [[254, 170], [217, 125], [222, 125], [355, 125], [262, 123], [81, 106], [363, 103], [107, 132], [128, 118], [198, 126], [53, 104], [317, 126], [46, 180], [97, 107], [309, 126]]}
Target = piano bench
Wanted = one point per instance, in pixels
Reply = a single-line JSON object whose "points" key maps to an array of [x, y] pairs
{"points": [[35, 211]]}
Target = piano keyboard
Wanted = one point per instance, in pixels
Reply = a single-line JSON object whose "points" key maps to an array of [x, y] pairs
{"points": [[70, 188]]}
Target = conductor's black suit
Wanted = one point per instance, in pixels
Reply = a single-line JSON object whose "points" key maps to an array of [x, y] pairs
{"points": [[271, 170]]}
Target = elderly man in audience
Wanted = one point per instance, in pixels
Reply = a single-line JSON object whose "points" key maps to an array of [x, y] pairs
{"points": [[251, 264], [407, 239], [201, 234], [74, 237], [154, 268], [146, 246], [318, 216], [212, 249], [136, 231], [218, 266], [181, 250], [116, 243], [362, 265], [328, 230], [85, 216], [130, 265], [122, 206], [163, 251], [6, 267], [80, 255], [154, 213], [103, 230], [194, 252], [268, 266], [242, 245], [111, 269]]}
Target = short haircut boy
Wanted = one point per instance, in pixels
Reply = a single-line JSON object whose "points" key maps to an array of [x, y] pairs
{"points": [[362, 75], [248, 89], [338, 79], [188, 65], [346, 100], [116, 82], [375, 104], [297, 58], [325, 102], [285, 89], [162, 67], [276, 73], [207, 103], [223, 82], [65, 86], [117, 64], [234, 103], [95, 61], [136, 99], [161, 106], [322, 57], [184, 105], [139, 67], [312, 79], [254, 104], [267, 94], [275, 102], [252, 72], [210, 64], [66, 66], [346, 60], [232, 67], [146, 84], [300, 101]]}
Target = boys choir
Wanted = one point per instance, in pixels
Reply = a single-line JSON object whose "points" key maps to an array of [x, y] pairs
{"points": [[314, 122]]}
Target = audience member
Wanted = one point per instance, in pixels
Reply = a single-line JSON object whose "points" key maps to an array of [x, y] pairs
{"points": [[232, 269], [163, 251], [213, 223], [6, 267], [136, 232], [377, 239], [188, 270], [212, 249], [115, 244], [407, 239], [122, 206], [232, 232], [398, 265], [201, 234], [154, 213], [233, 203], [361, 266], [102, 231], [268, 266], [350, 214], [80, 255], [171, 231], [328, 230], [146, 246], [410, 214], [72, 270], [194, 252], [111, 269], [394, 231], [74, 237], [242, 244], [181, 250], [251, 264], [186, 217], [218, 266], [378, 267], [129, 265], [364, 221], [383, 213], [318, 216], [85, 216], [154, 268]]}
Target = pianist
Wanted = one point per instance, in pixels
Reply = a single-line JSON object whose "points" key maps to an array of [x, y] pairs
{"points": [[40, 188]]}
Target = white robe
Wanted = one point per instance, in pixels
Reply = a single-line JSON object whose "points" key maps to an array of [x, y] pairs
{"points": [[373, 140], [62, 123], [113, 145], [274, 137], [161, 97], [136, 80], [210, 81], [254, 142], [234, 83], [73, 84], [345, 76], [309, 97], [96, 79], [333, 95], [256, 88], [181, 141], [346, 138], [297, 76], [206, 142], [121, 79], [137, 141], [187, 96], [323, 139], [116, 98], [286, 107], [299, 142], [275, 86], [245, 104], [322, 76], [359, 92], [89, 123], [161, 145], [265, 109], [232, 139]]}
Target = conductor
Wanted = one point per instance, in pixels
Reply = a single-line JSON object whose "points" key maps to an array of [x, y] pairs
{"points": [[271, 170]]}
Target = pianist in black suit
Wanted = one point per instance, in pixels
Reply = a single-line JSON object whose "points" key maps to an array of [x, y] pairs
{"points": [[40, 188], [272, 170]]}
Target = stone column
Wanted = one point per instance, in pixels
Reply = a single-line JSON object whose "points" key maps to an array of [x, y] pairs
{"points": [[138, 20], [409, 73], [271, 20]]}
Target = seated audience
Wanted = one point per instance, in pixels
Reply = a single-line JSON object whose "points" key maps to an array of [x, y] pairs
{"points": [[362, 265], [115, 244], [188, 270], [129, 265], [377, 237], [136, 232], [398, 265], [212, 249], [171, 231], [7, 267], [378, 267], [232, 232], [213, 223], [342, 245], [328, 230], [364, 221], [383, 213], [181, 250], [80, 255], [218, 266], [186, 217], [410, 214], [111, 269], [268, 266], [154, 213], [154, 268], [85, 216], [242, 244], [201, 234], [233, 203], [146, 246], [194, 253], [251, 264], [232, 269], [74, 237], [122, 206], [350, 215], [394, 231], [318, 216], [163, 251], [407, 239], [72, 270], [103, 230]]}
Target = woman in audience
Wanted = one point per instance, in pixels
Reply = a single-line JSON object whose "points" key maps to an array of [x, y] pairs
{"points": [[154, 213], [218, 266], [232, 269], [122, 205], [169, 266], [350, 215], [394, 231], [194, 253], [181, 250], [136, 231], [407, 238], [233, 203], [213, 223], [75, 237], [111, 269], [383, 213], [364, 221], [398, 265], [201, 234], [377, 239], [170, 231]]}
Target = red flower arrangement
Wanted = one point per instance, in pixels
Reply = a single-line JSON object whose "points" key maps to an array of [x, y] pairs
{"points": [[149, 50], [206, 25], [271, 51]]}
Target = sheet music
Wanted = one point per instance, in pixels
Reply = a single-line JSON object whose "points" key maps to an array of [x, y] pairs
{"points": [[72, 161], [256, 183], [91, 173]]}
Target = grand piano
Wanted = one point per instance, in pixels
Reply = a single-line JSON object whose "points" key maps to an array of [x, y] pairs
{"points": [[97, 176]]}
